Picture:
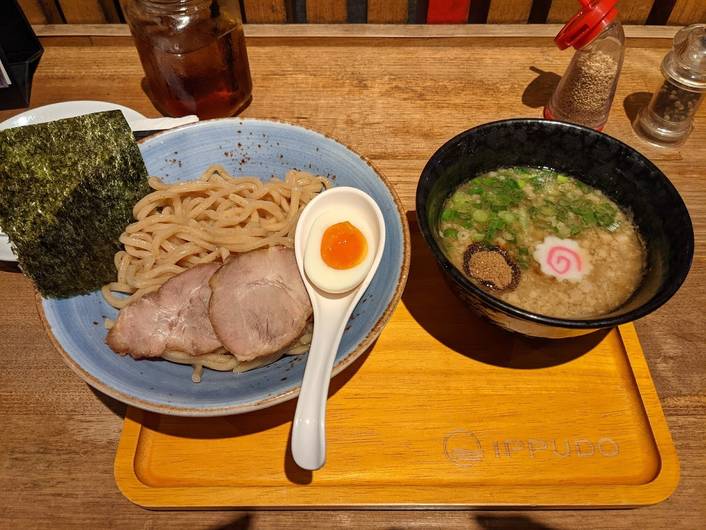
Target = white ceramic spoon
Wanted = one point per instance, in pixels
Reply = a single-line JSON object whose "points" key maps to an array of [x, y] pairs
{"points": [[331, 314]]}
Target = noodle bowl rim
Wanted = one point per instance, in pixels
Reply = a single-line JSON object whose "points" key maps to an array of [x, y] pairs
{"points": [[269, 401]]}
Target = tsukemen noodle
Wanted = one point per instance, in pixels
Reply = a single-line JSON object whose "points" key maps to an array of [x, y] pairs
{"points": [[543, 241]]}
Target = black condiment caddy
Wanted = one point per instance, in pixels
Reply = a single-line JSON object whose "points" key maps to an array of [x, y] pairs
{"points": [[20, 51]]}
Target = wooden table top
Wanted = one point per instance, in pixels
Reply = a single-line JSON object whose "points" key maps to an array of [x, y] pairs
{"points": [[394, 94]]}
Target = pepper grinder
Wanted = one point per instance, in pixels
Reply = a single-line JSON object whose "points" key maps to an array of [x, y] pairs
{"points": [[669, 118]]}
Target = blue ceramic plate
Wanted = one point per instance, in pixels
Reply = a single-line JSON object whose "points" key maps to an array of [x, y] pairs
{"points": [[244, 147]]}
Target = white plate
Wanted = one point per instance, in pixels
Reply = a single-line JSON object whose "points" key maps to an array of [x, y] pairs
{"points": [[67, 109], [6, 253], [58, 111]]}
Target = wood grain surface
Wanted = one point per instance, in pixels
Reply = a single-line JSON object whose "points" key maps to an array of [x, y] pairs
{"points": [[631, 11], [512, 12], [49, 11], [326, 11], [89, 11], [472, 34], [265, 12], [676, 12], [546, 437], [396, 100], [387, 11], [687, 12], [34, 12]]}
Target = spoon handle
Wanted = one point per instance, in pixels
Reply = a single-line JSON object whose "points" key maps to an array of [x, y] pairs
{"points": [[309, 427]]}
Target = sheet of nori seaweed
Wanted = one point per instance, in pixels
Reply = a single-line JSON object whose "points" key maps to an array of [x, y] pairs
{"points": [[67, 189]]}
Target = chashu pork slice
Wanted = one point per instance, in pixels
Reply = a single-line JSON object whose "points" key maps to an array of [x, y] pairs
{"points": [[174, 318], [259, 303]]}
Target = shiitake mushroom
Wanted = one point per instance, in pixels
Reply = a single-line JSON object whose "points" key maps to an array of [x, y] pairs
{"points": [[492, 266]]}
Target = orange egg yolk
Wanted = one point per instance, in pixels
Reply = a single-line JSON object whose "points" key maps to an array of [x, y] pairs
{"points": [[343, 246]]}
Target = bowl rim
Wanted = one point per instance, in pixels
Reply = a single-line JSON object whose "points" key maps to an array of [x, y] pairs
{"points": [[213, 411], [660, 298]]}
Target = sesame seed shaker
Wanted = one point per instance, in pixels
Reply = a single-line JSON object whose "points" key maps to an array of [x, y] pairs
{"points": [[669, 118], [585, 92]]}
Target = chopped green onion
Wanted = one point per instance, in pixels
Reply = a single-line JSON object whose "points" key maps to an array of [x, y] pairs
{"points": [[480, 215], [547, 210], [506, 206], [451, 233], [585, 188], [449, 214], [506, 216]]}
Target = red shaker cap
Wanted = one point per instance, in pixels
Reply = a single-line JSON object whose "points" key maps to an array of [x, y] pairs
{"points": [[587, 24]]}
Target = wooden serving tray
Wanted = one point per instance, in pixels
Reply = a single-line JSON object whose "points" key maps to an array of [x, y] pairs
{"points": [[443, 411]]}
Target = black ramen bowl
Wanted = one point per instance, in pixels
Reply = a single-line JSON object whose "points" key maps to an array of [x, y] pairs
{"points": [[623, 174]]}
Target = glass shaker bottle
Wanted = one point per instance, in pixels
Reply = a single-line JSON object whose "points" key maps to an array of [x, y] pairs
{"points": [[668, 119], [586, 90], [193, 54]]}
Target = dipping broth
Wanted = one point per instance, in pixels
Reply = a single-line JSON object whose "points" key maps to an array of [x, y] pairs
{"points": [[543, 241]]}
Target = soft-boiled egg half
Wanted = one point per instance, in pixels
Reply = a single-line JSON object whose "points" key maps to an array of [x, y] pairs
{"points": [[340, 249]]}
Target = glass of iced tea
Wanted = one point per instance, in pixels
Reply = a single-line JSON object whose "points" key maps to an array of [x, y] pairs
{"points": [[193, 53]]}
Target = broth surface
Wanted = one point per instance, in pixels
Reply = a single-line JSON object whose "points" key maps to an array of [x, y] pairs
{"points": [[540, 220]]}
